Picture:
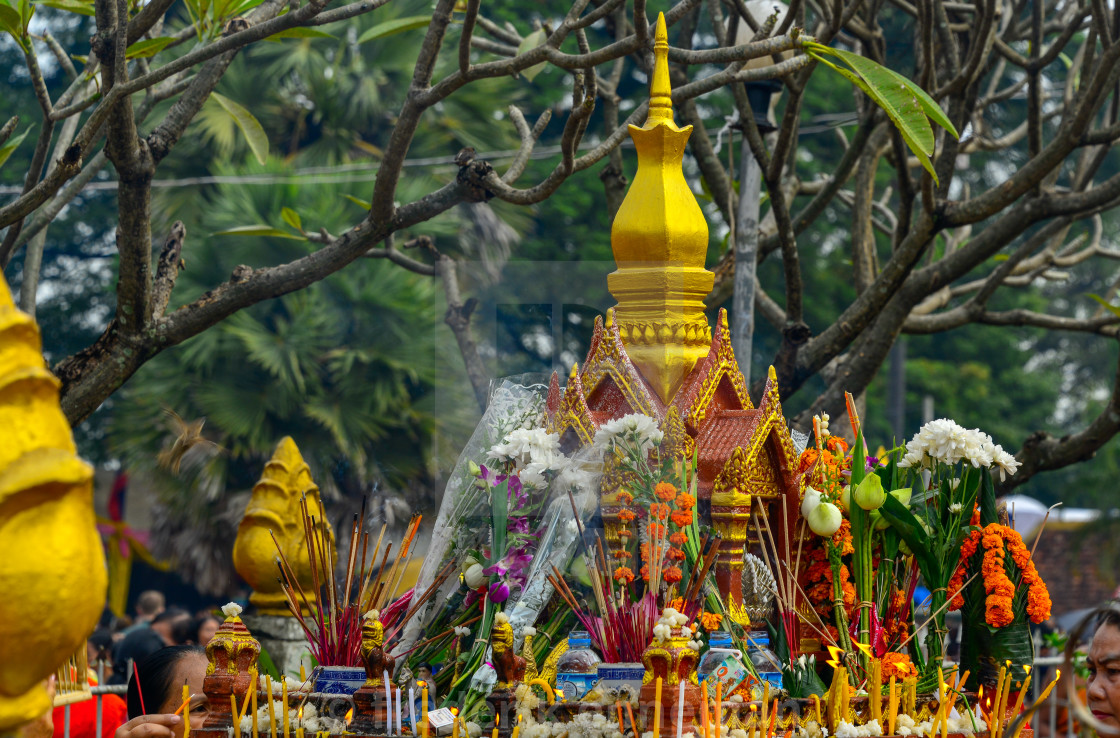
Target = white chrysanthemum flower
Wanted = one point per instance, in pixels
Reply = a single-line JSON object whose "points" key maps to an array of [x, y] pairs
{"points": [[956, 507], [461, 631], [522, 446], [501, 618], [527, 631], [661, 632], [1005, 462], [636, 429], [231, 609]]}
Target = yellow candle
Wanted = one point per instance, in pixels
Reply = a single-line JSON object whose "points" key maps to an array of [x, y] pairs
{"points": [[657, 710], [817, 709], [764, 727], [877, 691], [233, 714], [284, 691], [271, 710], [424, 712], [892, 706], [186, 711], [516, 727], [254, 687], [1041, 699], [455, 728], [1001, 700], [241, 715], [302, 672], [718, 708], [703, 715], [1022, 694]]}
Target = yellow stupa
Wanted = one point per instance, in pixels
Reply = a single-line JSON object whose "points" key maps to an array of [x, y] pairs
{"points": [[52, 574], [660, 241]]}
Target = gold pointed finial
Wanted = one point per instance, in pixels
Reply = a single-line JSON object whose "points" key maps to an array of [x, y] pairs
{"points": [[660, 89], [660, 243], [274, 516]]}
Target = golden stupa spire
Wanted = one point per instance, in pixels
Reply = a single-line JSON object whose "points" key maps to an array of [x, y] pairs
{"points": [[660, 241]]}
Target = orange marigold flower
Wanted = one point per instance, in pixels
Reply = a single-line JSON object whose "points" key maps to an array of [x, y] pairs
{"points": [[681, 518], [644, 571], [672, 574], [625, 533], [898, 665], [808, 459], [665, 491], [624, 497], [685, 501], [659, 510], [968, 548], [675, 554], [626, 516], [710, 621], [622, 553], [836, 445], [623, 574], [678, 538], [677, 603], [655, 530]]}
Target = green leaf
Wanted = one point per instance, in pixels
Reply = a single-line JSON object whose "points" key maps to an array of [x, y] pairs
{"points": [[26, 10], [71, 6], [257, 230], [906, 104], [11, 22], [1115, 310], [397, 25], [7, 149], [254, 133], [299, 32], [364, 204], [911, 531], [530, 42], [292, 218], [148, 47]]}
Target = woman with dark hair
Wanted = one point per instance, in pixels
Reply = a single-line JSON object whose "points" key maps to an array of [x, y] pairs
{"points": [[159, 679], [1104, 670]]}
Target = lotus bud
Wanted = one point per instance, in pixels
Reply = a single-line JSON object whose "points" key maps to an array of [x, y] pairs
{"points": [[474, 469], [902, 495], [846, 497], [869, 493], [878, 522], [474, 576], [825, 519], [811, 500]]}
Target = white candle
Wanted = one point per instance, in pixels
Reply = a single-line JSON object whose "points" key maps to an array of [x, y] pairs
{"points": [[388, 704], [399, 730], [680, 709], [412, 710]]}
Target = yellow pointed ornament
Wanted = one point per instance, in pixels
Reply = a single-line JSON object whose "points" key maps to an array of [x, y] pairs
{"points": [[660, 242], [52, 574], [274, 509]]}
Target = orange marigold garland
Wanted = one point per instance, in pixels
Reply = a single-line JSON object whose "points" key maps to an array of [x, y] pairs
{"points": [[997, 541], [624, 574]]}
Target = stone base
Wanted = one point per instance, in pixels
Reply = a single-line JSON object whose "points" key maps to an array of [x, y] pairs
{"points": [[283, 639]]}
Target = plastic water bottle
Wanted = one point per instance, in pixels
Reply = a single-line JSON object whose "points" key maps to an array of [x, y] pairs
{"points": [[577, 671], [765, 662], [721, 668]]}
